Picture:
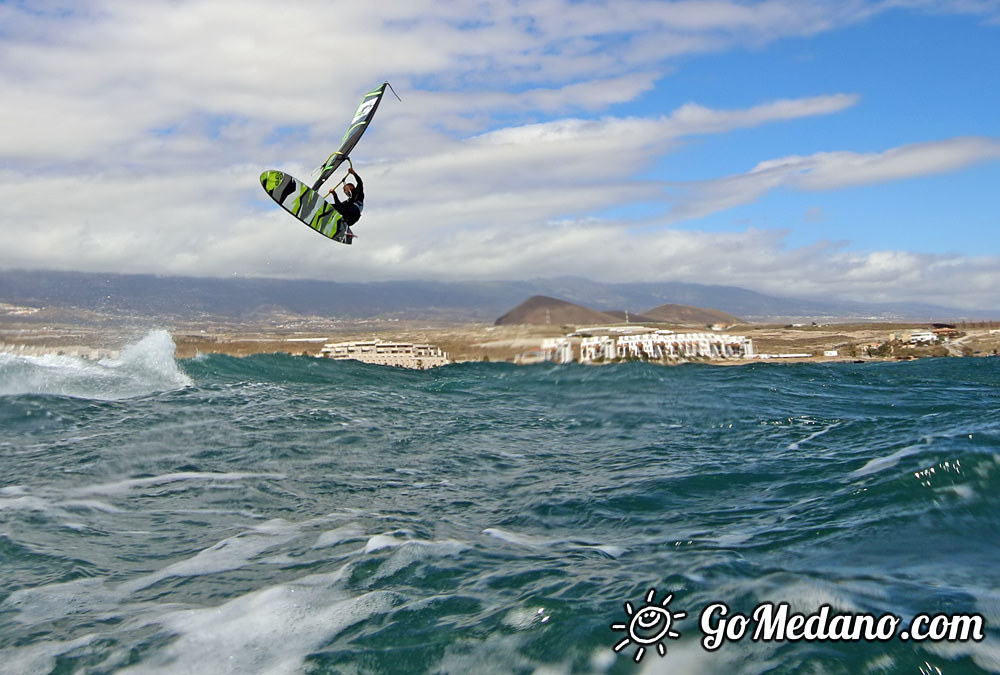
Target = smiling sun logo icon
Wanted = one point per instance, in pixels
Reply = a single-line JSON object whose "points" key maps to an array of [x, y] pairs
{"points": [[649, 625]]}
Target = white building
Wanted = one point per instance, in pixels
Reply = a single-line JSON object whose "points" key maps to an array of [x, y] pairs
{"points": [[597, 347], [559, 350], [921, 337], [642, 346], [664, 344], [707, 345], [402, 354]]}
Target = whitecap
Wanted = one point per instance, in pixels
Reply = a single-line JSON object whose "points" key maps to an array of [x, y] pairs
{"points": [[535, 542], [815, 434], [40, 658], [272, 630], [123, 486], [338, 536], [882, 463], [381, 541], [227, 555], [143, 368], [523, 618], [985, 654], [609, 550], [526, 540], [57, 601], [25, 503]]}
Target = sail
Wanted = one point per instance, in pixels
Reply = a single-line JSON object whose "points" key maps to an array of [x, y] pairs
{"points": [[362, 116]]}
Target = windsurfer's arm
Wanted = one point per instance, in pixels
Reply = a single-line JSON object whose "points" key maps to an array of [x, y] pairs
{"points": [[358, 193], [333, 191], [361, 184]]}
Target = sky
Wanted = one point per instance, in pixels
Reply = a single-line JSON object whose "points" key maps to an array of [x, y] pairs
{"points": [[834, 149]]}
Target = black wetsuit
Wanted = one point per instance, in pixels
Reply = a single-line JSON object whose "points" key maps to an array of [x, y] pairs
{"points": [[351, 209]]}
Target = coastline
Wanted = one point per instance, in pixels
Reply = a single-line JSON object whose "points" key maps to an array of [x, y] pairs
{"points": [[483, 342]]}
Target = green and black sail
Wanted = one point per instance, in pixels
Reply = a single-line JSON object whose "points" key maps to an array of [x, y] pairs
{"points": [[362, 116]]}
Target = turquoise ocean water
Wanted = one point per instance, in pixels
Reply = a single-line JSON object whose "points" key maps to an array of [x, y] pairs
{"points": [[279, 514]]}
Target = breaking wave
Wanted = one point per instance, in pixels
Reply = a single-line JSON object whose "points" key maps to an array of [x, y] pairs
{"points": [[143, 368]]}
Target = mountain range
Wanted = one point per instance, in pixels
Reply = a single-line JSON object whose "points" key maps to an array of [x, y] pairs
{"points": [[247, 298], [540, 310]]}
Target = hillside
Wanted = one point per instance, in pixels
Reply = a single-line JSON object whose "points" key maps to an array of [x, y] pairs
{"points": [[629, 317], [541, 310], [189, 298], [686, 315]]}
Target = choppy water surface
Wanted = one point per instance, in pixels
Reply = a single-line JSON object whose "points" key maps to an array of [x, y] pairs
{"points": [[279, 514]]}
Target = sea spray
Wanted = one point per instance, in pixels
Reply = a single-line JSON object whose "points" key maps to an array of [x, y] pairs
{"points": [[142, 368]]}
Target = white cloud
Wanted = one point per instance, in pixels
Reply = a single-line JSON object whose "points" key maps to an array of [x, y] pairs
{"points": [[695, 119], [104, 75], [832, 171], [136, 131]]}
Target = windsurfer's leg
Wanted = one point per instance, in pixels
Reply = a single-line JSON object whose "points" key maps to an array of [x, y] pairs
{"points": [[350, 212]]}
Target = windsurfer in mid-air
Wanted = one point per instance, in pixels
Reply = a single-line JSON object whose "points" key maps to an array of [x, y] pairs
{"points": [[351, 209], [331, 218]]}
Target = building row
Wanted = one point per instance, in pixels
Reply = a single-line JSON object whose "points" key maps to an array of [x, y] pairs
{"points": [[403, 354], [79, 351], [656, 345]]}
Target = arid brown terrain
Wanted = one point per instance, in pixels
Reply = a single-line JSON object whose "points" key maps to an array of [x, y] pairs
{"points": [[479, 342]]}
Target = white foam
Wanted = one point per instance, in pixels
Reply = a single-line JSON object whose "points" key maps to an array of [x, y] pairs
{"points": [[409, 551], [985, 654], [523, 618], [25, 503], [816, 434], [143, 368], [61, 502], [90, 505], [92, 595], [607, 549], [526, 540], [56, 601], [227, 555], [882, 463], [731, 539], [338, 536], [807, 596], [531, 541], [123, 486], [988, 604], [964, 491], [496, 654], [29, 502], [271, 630], [687, 656], [381, 541], [41, 657]]}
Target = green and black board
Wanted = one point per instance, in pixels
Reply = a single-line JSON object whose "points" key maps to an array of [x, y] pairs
{"points": [[307, 205]]}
